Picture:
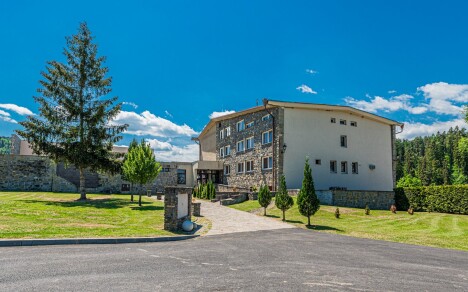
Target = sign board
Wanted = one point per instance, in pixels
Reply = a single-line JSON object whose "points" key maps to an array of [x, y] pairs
{"points": [[182, 208]]}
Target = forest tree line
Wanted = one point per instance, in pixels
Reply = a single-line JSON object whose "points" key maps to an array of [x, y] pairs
{"points": [[440, 159], [5, 145]]}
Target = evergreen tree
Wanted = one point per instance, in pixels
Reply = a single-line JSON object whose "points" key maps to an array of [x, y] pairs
{"points": [[74, 123], [264, 197], [141, 166], [283, 200], [307, 201]]}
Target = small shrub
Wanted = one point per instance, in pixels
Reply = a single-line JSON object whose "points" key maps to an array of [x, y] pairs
{"points": [[253, 189], [393, 209], [410, 211], [367, 210], [337, 213]]}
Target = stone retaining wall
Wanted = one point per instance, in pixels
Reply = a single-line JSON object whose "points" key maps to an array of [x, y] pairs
{"points": [[357, 199]]}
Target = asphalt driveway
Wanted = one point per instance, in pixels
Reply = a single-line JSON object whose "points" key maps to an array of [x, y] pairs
{"points": [[289, 259]]}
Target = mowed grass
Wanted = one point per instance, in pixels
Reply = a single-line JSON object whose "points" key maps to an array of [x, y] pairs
{"points": [[55, 215], [422, 228]]}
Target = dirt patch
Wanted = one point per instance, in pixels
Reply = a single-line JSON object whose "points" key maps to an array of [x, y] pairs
{"points": [[87, 225]]}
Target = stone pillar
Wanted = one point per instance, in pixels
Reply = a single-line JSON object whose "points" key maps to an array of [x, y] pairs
{"points": [[177, 207], [196, 209]]}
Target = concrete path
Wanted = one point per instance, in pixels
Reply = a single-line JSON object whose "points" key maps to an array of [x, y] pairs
{"points": [[227, 220]]}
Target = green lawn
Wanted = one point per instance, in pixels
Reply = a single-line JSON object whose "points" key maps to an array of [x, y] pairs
{"points": [[54, 215], [431, 229]]}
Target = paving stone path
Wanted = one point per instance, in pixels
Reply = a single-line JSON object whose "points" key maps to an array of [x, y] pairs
{"points": [[227, 220]]}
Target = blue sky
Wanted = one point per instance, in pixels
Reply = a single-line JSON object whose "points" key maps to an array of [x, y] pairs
{"points": [[174, 63]]}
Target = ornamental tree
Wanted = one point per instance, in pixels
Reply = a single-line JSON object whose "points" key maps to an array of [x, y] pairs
{"points": [[283, 200], [140, 166], [75, 110], [307, 201], [264, 198]]}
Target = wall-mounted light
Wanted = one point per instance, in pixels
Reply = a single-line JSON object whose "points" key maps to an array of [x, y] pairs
{"points": [[284, 148]]}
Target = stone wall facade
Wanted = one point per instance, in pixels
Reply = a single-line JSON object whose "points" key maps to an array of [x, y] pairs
{"points": [[257, 176], [357, 199], [39, 173], [15, 147]]}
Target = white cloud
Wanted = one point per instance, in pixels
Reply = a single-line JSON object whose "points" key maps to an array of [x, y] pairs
{"points": [[17, 109], [311, 71], [8, 119], [306, 89], [400, 102], [187, 153], [159, 145], [4, 113], [220, 114], [392, 91], [444, 97], [168, 113], [412, 130], [132, 104], [149, 124]]}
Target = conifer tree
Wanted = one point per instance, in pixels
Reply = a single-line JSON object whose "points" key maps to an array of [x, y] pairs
{"points": [[75, 112], [283, 200], [141, 166], [307, 201], [264, 198]]}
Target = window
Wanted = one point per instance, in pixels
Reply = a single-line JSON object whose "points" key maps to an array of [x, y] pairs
{"points": [[344, 141], [250, 143], [240, 126], [333, 166], [332, 120], [228, 131], [166, 169], [221, 134], [240, 146], [125, 187], [342, 122], [249, 125], [266, 118], [353, 124], [221, 152], [318, 161], [344, 167], [267, 137], [354, 167], [240, 167], [227, 169], [181, 176], [227, 150], [249, 167], [267, 162]]}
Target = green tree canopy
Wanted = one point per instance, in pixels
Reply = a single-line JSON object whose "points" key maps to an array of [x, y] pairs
{"points": [[409, 181], [264, 197], [283, 200], [307, 200], [75, 112], [140, 165]]}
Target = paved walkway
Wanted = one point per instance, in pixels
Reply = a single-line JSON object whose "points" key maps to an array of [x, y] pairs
{"points": [[227, 220]]}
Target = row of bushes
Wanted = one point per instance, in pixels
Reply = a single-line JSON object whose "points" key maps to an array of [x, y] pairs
{"points": [[205, 191], [444, 199]]}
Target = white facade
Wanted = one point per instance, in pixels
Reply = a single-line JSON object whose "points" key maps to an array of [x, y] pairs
{"points": [[310, 133]]}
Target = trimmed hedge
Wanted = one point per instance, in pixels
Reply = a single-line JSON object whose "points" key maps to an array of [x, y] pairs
{"points": [[444, 199]]}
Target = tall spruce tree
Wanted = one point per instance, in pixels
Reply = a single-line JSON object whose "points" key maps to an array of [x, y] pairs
{"points": [[283, 200], [141, 166], [74, 123], [307, 201], [264, 198]]}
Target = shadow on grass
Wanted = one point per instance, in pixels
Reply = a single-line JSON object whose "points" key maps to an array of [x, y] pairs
{"points": [[96, 203], [147, 208]]}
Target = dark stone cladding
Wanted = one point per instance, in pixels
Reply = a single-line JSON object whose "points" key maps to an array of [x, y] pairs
{"points": [[258, 176]]}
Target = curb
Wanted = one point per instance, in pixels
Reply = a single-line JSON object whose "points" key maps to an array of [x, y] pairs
{"points": [[69, 241]]}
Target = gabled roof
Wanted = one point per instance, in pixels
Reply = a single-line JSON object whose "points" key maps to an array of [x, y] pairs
{"points": [[302, 105]]}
